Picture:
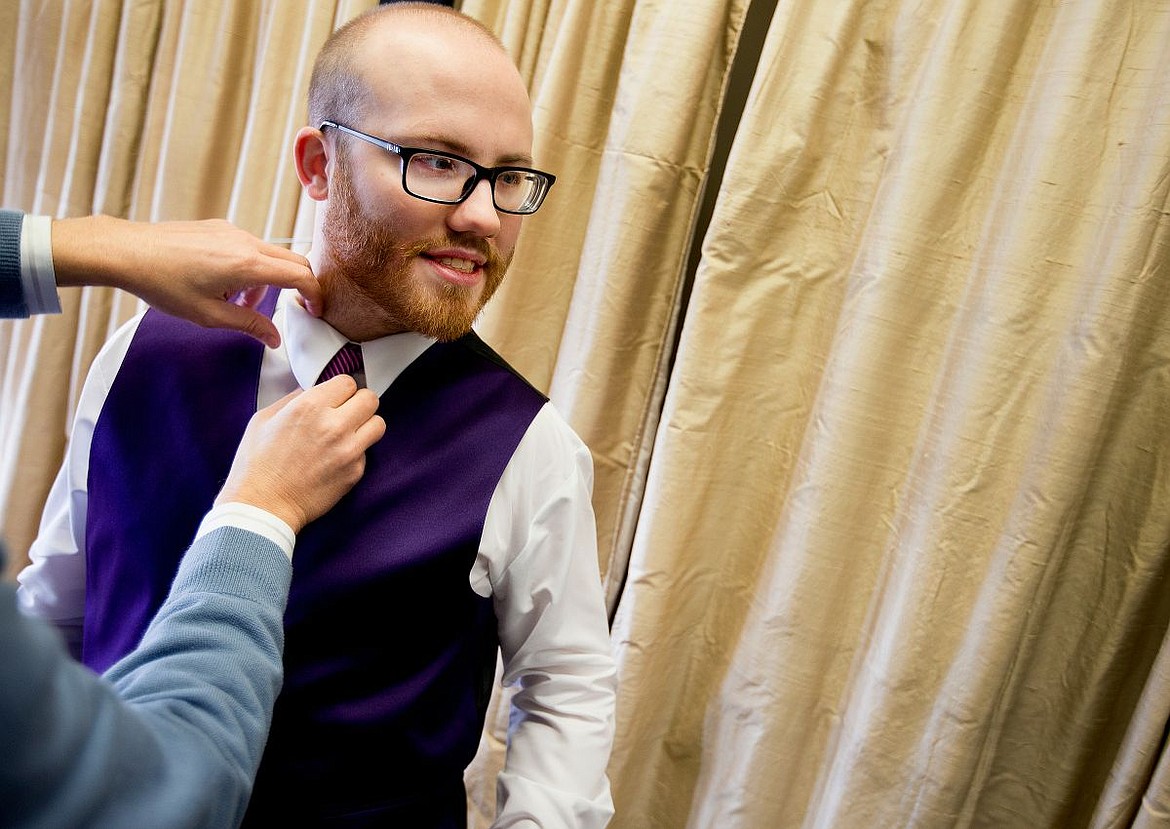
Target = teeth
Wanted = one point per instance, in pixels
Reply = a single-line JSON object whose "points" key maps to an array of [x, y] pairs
{"points": [[465, 265]]}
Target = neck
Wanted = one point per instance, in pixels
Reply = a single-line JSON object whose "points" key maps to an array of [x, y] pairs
{"points": [[354, 316], [347, 310]]}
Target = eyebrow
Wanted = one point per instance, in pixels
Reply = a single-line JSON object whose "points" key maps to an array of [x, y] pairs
{"points": [[447, 145]]}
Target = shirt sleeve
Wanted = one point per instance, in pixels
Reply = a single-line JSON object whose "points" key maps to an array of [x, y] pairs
{"points": [[540, 551], [28, 283], [173, 734], [36, 266], [52, 587], [250, 518]]}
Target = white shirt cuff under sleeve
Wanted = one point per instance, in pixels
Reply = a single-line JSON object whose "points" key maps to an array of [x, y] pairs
{"points": [[250, 518], [36, 265]]}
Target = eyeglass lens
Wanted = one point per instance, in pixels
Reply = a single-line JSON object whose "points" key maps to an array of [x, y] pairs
{"points": [[441, 177]]}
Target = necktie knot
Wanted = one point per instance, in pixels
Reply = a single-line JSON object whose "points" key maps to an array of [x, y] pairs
{"points": [[347, 360]]}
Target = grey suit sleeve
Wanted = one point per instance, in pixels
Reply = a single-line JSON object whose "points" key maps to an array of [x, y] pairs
{"points": [[172, 734], [12, 299]]}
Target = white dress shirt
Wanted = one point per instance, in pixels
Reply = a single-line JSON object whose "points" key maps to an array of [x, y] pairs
{"points": [[537, 559], [36, 266]]}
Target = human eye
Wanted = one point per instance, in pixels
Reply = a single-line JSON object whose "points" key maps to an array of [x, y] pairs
{"points": [[512, 179], [437, 165]]}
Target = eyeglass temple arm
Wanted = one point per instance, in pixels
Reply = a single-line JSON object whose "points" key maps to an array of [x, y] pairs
{"points": [[369, 139]]}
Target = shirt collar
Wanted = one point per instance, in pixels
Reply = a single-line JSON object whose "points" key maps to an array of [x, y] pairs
{"points": [[311, 343]]}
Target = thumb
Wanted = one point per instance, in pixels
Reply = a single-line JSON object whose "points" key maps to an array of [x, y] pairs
{"points": [[270, 411], [275, 408]]}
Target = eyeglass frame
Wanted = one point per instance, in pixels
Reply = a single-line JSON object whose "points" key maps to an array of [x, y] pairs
{"points": [[488, 174]]}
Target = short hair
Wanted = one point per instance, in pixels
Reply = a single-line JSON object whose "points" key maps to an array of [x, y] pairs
{"points": [[336, 90]]}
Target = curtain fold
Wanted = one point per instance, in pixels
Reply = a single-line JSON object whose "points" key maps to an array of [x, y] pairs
{"points": [[526, 28], [902, 556]]}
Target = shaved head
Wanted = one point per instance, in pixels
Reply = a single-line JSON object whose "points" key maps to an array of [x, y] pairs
{"points": [[337, 90]]}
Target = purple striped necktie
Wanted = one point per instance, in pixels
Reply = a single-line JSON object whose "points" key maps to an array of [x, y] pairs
{"points": [[347, 360]]}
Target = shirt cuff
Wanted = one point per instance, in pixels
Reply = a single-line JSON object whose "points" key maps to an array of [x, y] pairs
{"points": [[36, 265], [252, 519]]}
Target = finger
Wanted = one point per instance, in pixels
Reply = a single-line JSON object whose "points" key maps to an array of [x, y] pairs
{"points": [[314, 304], [314, 301], [300, 277], [312, 297], [371, 431], [360, 407], [288, 270], [239, 318], [334, 392], [278, 252]]}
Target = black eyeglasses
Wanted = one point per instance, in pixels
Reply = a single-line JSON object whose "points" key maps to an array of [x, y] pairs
{"points": [[446, 178]]}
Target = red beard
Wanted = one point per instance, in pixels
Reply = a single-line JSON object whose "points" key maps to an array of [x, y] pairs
{"points": [[376, 262]]}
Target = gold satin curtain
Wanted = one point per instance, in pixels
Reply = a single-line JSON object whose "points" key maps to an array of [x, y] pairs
{"points": [[863, 309]]}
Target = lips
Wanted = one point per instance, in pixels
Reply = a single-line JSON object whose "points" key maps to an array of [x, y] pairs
{"points": [[465, 265], [460, 267]]}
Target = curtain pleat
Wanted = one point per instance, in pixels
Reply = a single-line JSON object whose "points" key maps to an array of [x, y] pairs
{"points": [[1137, 792], [526, 28], [902, 556]]}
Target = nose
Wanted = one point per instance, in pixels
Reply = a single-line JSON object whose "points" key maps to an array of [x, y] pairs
{"points": [[477, 214]]}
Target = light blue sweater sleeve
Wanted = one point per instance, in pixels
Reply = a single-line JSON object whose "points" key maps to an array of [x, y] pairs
{"points": [[172, 735]]}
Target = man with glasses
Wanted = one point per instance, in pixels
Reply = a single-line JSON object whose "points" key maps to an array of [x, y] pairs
{"points": [[472, 527]]}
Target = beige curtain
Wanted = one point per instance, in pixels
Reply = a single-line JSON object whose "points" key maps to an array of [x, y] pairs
{"points": [[149, 110], [873, 354], [900, 555]]}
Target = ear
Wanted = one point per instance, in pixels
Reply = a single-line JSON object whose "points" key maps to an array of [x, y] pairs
{"points": [[311, 156]]}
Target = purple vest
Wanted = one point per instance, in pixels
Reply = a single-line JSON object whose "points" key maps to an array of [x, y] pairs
{"points": [[389, 654]]}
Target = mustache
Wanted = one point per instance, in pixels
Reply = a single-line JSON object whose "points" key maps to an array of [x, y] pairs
{"points": [[468, 241]]}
